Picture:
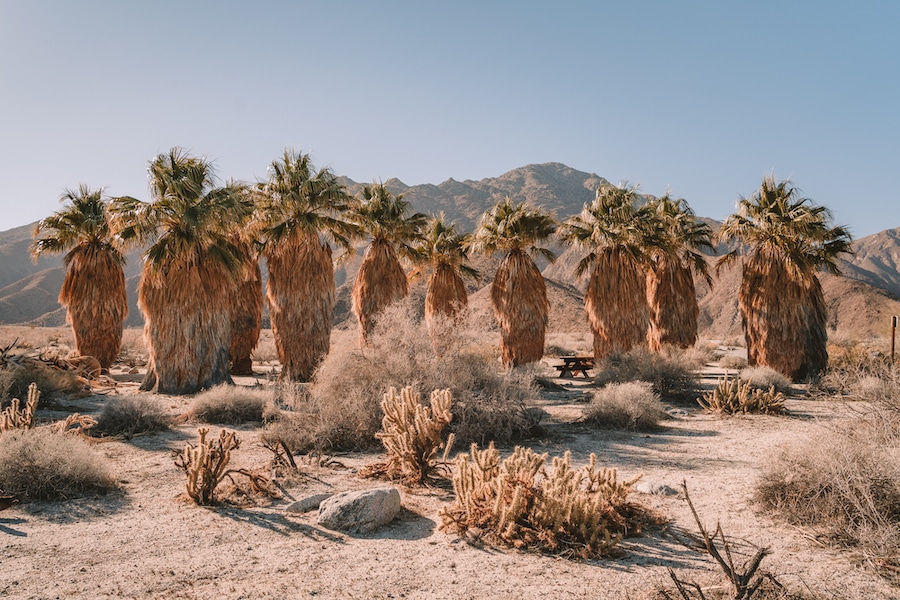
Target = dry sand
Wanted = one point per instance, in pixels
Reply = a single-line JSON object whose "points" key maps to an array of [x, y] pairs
{"points": [[151, 542]]}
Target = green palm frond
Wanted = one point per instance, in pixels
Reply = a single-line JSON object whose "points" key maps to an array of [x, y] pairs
{"points": [[442, 244], [509, 226], [779, 223], [296, 198], [382, 215], [613, 222], [684, 236], [84, 221], [189, 217]]}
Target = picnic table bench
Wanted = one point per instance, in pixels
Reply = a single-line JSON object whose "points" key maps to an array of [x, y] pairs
{"points": [[572, 365]]}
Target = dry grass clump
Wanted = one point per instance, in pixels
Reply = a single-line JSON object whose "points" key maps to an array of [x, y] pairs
{"points": [[340, 409], [859, 372], [732, 396], [230, 405], [631, 405], [671, 373], [131, 415], [53, 383], [846, 484], [733, 362], [764, 378], [519, 502], [412, 435], [39, 464]]}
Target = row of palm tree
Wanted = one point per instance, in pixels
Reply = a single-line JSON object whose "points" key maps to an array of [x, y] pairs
{"points": [[200, 285]]}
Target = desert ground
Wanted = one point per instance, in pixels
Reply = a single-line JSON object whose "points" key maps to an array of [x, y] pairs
{"points": [[149, 540]]}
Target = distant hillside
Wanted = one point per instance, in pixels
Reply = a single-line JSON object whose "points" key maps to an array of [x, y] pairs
{"points": [[859, 305]]}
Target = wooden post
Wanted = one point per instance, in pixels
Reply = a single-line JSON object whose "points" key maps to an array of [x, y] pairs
{"points": [[893, 335]]}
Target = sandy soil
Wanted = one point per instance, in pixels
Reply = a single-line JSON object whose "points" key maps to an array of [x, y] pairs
{"points": [[150, 542]]}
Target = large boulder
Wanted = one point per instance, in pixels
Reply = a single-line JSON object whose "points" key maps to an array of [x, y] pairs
{"points": [[360, 512]]}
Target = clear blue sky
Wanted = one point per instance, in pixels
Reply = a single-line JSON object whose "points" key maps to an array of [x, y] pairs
{"points": [[701, 97]]}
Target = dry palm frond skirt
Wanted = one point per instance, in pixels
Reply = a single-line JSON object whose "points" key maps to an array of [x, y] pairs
{"points": [[784, 318], [246, 320], [93, 292], [301, 296], [379, 283], [672, 299], [446, 296], [187, 327], [616, 304], [519, 296]]}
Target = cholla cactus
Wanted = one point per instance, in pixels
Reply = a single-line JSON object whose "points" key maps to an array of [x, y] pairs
{"points": [[736, 396], [520, 503], [13, 418], [204, 464], [411, 433]]}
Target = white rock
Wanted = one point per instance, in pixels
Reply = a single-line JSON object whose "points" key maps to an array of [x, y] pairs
{"points": [[360, 512]]}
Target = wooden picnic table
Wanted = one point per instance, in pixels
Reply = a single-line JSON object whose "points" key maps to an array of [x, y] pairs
{"points": [[572, 365]]}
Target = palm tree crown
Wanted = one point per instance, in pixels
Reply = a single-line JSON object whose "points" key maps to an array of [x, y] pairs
{"points": [[514, 227], [683, 237], [442, 244], [383, 216], [778, 223], [85, 221]]}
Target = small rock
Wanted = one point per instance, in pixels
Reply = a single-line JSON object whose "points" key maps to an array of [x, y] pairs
{"points": [[307, 504], [360, 512], [655, 489]]}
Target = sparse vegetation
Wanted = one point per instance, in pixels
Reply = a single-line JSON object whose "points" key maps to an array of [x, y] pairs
{"points": [[230, 405], [412, 435], [205, 464], [631, 405], [670, 373], [763, 377], [14, 418], [518, 502], [733, 395], [131, 415], [39, 464], [733, 362]]}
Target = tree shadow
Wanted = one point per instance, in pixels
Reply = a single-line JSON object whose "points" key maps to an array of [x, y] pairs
{"points": [[75, 510], [277, 522], [5, 529]]}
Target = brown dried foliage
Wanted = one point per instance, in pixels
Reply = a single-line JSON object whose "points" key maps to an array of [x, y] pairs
{"points": [[616, 304], [519, 296], [93, 292], [673, 305], [379, 283], [301, 297], [246, 318], [446, 297]]}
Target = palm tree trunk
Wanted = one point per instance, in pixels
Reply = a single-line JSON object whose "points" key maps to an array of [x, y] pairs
{"points": [[616, 304], [445, 299], [379, 283], [301, 296], [672, 300], [519, 296], [246, 320], [774, 307], [816, 332], [187, 327], [94, 293]]}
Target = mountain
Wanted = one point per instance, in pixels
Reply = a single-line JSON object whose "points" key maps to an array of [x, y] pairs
{"points": [[859, 303]]}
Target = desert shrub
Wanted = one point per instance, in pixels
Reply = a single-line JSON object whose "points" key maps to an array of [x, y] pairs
{"points": [[846, 483], [732, 395], [230, 405], [631, 405], [733, 362], [131, 415], [764, 378], [671, 373], [53, 382], [14, 418], [412, 435], [205, 464], [341, 410], [38, 464], [519, 502]]}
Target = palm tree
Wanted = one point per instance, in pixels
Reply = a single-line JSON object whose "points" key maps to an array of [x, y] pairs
{"points": [[618, 238], [671, 294], [299, 212], [518, 293], [381, 280], [246, 304], [782, 308], [190, 270], [445, 251], [93, 290]]}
